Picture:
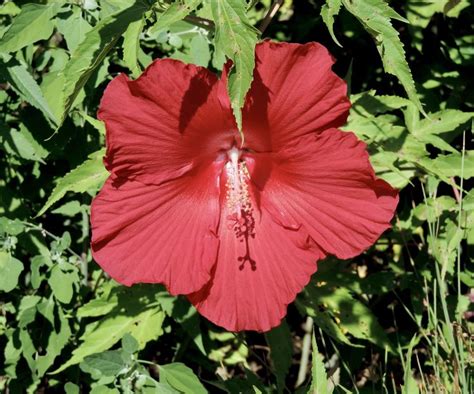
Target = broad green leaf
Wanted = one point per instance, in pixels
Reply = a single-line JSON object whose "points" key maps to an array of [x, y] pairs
{"points": [[236, 38], [10, 270], [199, 49], [90, 175], [52, 87], [279, 340], [22, 143], [73, 27], [328, 12], [375, 16], [181, 377], [319, 380], [26, 86], [131, 46], [94, 48], [62, 283], [32, 24], [150, 327], [109, 363], [129, 344]]}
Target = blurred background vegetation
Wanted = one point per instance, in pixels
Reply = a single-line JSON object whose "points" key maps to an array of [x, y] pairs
{"points": [[398, 318]]}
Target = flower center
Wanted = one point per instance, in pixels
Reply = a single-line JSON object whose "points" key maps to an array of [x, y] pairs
{"points": [[238, 198], [239, 203]]}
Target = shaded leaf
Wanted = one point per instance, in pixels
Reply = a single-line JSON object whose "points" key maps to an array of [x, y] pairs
{"points": [[10, 270], [279, 340], [25, 85], [375, 16], [90, 175], [94, 48]]}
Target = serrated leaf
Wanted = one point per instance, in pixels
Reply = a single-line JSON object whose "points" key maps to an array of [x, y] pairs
{"points": [[452, 165], [10, 270], [442, 122], [90, 175], [279, 340], [31, 25], [25, 85], [94, 48], [131, 46], [236, 38], [319, 379], [181, 377], [328, 12], [375, 16]]}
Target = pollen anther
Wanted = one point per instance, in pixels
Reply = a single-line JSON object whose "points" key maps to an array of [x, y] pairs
{"points": [[237, 196]]}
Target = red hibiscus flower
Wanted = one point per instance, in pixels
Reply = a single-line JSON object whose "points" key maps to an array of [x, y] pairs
{"points": [[236, 227]]}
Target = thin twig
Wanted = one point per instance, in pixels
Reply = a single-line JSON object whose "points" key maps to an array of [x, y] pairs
{"points": [[270, 14]]}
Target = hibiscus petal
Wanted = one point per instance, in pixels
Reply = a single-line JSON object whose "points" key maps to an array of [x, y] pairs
{"points": [[253, 293], [158, 234], [162, 124], [294, 92], [326, 184]]}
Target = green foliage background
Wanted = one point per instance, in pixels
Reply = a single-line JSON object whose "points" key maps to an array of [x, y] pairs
{"points": [[398, 318]]}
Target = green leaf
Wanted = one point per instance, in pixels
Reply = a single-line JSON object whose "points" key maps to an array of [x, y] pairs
{"points": [[109, 363], [199, 49], [131, 46], [236, 38], [375, 16], [328, 12], [136, 313], [352, 315], [279, 340], [410, 385], [319, 379], [94, 48], [74, 28], [10, 270], [182, 378], [32, 24], [177, 11], [26, 86], [25, 146], [452, 165], [441, 122], [62, 283], [57, 340], [90, 175], [129, 344]]}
